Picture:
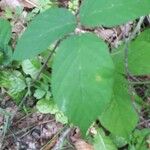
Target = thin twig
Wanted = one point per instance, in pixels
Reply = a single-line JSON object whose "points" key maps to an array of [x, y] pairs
{"points": [[47, 60], [48, 145], [126, 51], [32, 3], [137, 28], [132, 36], [140, 82], [61, 140], [29, 128]]}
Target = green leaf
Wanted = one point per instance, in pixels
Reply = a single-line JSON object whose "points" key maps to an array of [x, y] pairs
{"points": [[31, 67], [4, 79], [46, 106], [5, 33], [60, 117], [39, 93], [139, 139], [138, 55], [14, 82], [119, 59], [82, 78], [17, 83], [112, 12], [117, 117], [119, 141], [7, 55], [42, 90], [45, 29], [103, 142], [17, 96], [1, 57]]}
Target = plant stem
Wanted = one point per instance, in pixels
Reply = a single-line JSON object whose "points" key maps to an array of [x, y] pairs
{"points": [[37, 78], [140, 82], [126, 51], [137, 28], [47, 60]]}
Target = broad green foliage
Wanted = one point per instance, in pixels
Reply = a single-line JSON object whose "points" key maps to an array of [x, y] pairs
{"points": [[138, 55], [103, 142], [45, 29], [82, 78], [112, 12], [5, 33], [119, 118], [83, 71]]}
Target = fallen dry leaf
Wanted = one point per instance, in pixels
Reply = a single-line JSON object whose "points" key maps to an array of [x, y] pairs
{"points": [[12, 4], [29, 3], [82, 145]]}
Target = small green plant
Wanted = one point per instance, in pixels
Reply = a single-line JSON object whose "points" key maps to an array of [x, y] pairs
{"points": [[88, 82]]}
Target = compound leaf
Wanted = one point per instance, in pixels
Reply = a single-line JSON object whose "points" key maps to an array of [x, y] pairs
{"points": [[45, 29], [82, 78], [112, 12]]}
